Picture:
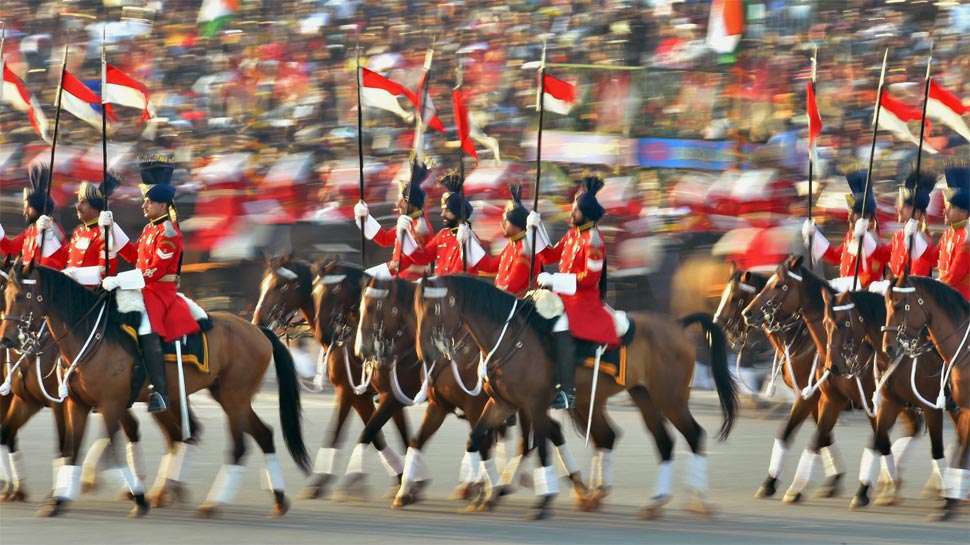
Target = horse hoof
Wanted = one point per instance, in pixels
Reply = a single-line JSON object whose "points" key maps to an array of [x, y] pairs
{"points": [[537, 514], [859, 502], [18, 495], [931, 492], [281, 506], [650, 513], [125, 495], [702, 507], [207, 511], [88, 487], [504, 490], [53, 508], [792, 497], [831, 488], [354, 489], [767, 488], [140, 509], [310, 492], [400, 502]]}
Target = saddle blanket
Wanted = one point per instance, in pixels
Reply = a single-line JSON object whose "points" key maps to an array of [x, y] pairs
{"points": [[195, 349], [613, 361]]}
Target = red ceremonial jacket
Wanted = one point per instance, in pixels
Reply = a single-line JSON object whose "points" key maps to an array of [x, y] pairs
{"points": [[582, 252], [445, 251], [511, 267], [899, 252], [954, 263], [86, 248], [27, 244], [870, 270], [157, 257], [410, 269]]}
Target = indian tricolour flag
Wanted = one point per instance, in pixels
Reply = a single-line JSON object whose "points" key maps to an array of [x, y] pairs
{"points": [[214, 14], [726, 25]]}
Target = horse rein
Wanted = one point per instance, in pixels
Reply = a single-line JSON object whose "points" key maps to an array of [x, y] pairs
{"points": [[918, 344]]}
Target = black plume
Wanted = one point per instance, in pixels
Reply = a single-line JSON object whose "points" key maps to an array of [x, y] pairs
{"points": [[40, 176], [515, 189], [110, 183], [593, 184], [452, 181]]}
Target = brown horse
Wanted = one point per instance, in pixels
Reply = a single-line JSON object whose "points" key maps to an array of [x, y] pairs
{"points": [[855, 319], [917, 306], [101, 377], [328, 299], [795, 291], [519, 367]]}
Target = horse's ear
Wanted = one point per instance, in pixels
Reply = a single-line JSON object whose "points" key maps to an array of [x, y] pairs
{"points": [[28, 268], [734, 268], [745, 276], [796, 262]]}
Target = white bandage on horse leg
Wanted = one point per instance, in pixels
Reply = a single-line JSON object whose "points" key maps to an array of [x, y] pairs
{"points": [[501, 452], [956, 483], [695, 476], [89, 468], [475, 467], [326, 459], [665, 479], [778, 451], [68, 483], [273, 474], [5, 469], [566, 459], [596, 471], [56, 466], [889, 467], [412, 463], [226, 485], [132, 481], [606, 469], [392, 462], [901, 450], [803, 473], [180, 462], [490, 472], [510, 472], [136, 459], [832, 461], [868, 468], [18, 472], [546, 481], [465, 468], [936, 478], [356, 463]]}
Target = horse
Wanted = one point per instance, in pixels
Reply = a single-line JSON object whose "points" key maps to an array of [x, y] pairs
{"points": [[855, 319], [100, 376], [447, 391], [328, 299], [944, 316], [517, 346], [795, 291]]}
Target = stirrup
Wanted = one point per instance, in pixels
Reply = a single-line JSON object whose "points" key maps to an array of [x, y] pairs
{"points": [[562, 400], [157, 403]]}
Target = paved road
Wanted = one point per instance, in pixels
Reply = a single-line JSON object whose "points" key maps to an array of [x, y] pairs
{"points": [[737, 466]]}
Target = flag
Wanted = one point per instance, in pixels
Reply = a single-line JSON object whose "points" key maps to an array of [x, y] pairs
{"points": [[814, 121], [461, 124], [120, 88], [478, 135], [430, 116], [214, 14], [16, 94], [77, 98], [725, 25], [380, 92], [947, 108], [559, 96], [893, 115]]}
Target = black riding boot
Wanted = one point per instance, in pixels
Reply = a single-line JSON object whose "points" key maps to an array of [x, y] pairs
{"points": [[151, 350], [565, 346]]}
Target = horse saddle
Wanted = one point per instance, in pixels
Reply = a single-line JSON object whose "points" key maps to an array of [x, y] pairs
{"points": [[613, 360], [195, 349]]}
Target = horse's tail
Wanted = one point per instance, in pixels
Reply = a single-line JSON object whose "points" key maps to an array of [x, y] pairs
{"points": [[291, 413], [727, 388]]}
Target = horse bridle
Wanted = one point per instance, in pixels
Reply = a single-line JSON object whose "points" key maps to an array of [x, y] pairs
{"points": [[735, 328], [339, 322], [383, 344], [447, 341], [770, 307], [279, 317], [916, 345], [850, 353]]}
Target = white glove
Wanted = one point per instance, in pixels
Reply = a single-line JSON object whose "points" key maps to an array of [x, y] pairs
{"points": [[808, 230], [533, 220], [861, 226], [403, 222], [111, 283], [911, 227], [105, 218], [544, 280], [464, 234], [69, 272], [361, 211], [44, 223]]}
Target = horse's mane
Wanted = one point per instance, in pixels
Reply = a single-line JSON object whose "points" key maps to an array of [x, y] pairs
{"points": [[872, 306], [74, 305], [492, 302], [814, 284], [949, 299]]}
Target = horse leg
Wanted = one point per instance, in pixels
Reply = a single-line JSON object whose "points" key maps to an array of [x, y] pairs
{"points": [[512, 476], [111, 414], [68, 482], [695, 475], [323, 466], [18, 413], [354, 477], [934, 426], [603, 436], [491, 417], [956, 480], [545, 476], [800, 410], [434, 416], [94, 459], [226, 484], [401, 423], [168, 487], [273, 476], [567, 461], [886, 416], [665, 446]]}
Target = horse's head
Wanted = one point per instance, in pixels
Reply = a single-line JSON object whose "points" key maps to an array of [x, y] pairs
{"points": [[336, 294], [22, 316], [905, 332], [281, 293], [846, 334], [439, 321], [776, 300], [738, 293], [384, 306]]}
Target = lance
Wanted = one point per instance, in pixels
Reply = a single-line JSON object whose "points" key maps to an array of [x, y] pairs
{"points": [[417, 152], [535, 199], [57, 120], [104, 149], [811, 152], [919, 157], [872, 157], [461, 168], [360, 154]]}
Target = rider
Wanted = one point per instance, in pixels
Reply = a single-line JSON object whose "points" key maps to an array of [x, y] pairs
{"points": [[158, 256], [85, 253], [512, 265], [445, 249], [412, 221], [581, 283], [954, 245], [37, 209], [911, 210], [876, 251]]}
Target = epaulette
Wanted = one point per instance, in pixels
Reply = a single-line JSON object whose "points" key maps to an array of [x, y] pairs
{"points": [[422, 228], [850, 165], [170, 230], [595, 238]]}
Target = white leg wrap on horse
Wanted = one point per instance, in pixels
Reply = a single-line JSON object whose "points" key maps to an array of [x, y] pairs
{"points": [[665, 479], [475, 469], [136, 459], [510, 472], [889, 467], [226, 485], [501, 452], [132, 481], [596, 470], [955, 483], [5, 470], [326, 459], [162, 474], [356, 464], [273, 474], [68, 483], [803, 473], [868, 468], [606, 468], [490, 472], [18, 472], [778, 452], [56, 465], [546, 481], [392, 462], [901, 450], [92, 459], [832, 461], [566, 459], [181, 460], [412, 462], [465, 469], [696, 474], [939, 467]]}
